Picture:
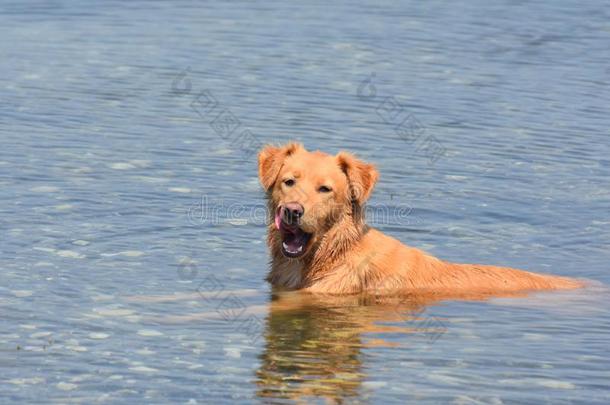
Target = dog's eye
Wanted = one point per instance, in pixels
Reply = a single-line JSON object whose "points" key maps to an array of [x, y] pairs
{"points": [[289, 182], [324, 189]]}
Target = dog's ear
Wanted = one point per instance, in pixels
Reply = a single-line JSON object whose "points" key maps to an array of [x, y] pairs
{"points": [[362, 176], [270, 161]]}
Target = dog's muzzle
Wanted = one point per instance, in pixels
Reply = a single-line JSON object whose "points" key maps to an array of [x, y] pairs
{"points": [[287, 220]]}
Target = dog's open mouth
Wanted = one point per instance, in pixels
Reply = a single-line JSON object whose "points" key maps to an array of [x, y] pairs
{"points": [[294, 239]]}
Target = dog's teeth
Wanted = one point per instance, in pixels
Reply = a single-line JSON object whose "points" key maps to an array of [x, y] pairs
{"points": [[287, 248]]}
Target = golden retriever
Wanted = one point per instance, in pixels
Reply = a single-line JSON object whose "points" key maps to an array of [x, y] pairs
{"points": [[320, 243]]}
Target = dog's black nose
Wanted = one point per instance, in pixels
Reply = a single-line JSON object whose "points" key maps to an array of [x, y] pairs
{"points": [[293, 213]]}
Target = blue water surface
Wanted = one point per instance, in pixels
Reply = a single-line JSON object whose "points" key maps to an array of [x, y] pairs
{"points": [[133, 240]]}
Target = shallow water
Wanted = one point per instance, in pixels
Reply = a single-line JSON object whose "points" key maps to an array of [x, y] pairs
{"points": [[133, 252]]}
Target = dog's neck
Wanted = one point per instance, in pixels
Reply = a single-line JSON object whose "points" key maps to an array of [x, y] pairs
{"points": [[330, 250]]}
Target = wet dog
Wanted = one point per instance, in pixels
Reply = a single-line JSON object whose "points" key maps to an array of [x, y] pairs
{"points": [[320, 243]]}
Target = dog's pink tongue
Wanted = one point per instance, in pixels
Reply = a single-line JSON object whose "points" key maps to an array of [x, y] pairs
{"points": [[278, 217]]}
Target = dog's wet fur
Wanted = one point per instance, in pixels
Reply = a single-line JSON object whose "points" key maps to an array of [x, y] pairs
{"points": [[320, 243]]}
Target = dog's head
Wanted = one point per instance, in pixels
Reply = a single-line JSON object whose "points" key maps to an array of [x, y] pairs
{"points": [[310, 192]]}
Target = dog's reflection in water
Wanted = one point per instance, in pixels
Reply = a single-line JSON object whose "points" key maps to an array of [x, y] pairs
{"points": [[313, 345]]}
